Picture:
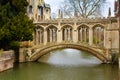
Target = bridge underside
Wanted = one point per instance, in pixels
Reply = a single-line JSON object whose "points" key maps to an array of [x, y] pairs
{"points": [[44, 50]]}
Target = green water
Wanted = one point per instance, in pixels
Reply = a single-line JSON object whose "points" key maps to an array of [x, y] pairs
{"points": [[70, 65]]}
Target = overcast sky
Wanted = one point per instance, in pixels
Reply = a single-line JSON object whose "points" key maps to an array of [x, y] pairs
{"points": [[55, 4]]}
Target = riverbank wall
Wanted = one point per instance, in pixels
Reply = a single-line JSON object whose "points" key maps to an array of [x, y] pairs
{"points": [[6, 60]]}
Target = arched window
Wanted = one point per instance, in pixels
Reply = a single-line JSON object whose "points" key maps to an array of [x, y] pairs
{"points": [[40, 12], [83, 34], [98, 35], [67, 33], [52, 34], [30, 9], [39, 35]]}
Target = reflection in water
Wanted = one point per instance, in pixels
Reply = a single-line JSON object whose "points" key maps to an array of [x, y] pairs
{"points": [[68, 65], [42, 71], [70, 57]]}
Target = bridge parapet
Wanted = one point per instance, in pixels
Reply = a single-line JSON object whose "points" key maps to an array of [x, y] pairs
{"points": [[100, 19]]}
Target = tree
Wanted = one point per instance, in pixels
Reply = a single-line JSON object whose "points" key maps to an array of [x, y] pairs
{"points": [[84, 8], [14, 24]]}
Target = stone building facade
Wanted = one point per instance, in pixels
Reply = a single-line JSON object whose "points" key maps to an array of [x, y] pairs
{"points": [[38, 10]]}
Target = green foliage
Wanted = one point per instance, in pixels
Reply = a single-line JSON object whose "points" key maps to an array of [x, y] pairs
{"points": [[14, 24], [14, 45]]}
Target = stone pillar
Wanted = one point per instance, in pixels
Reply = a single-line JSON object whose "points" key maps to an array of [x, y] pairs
{"points": [[75, 35], [105, 38], [22, 55], [54, 34], [90, 36], [50, 32], [85, 32], [100, 33], [40, 36], [69, 36], [81, 34], [45, 37], [59, 36], [65, 34], [36, 37]]}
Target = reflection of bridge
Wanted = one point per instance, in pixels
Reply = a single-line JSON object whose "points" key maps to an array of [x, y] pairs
{"points": [[92, 35]]}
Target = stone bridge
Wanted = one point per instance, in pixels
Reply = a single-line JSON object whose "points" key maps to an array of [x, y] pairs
{"points": [[100, 53], [96, 36]]}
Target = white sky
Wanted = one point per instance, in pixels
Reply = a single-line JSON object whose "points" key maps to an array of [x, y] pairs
{"points": [[56, 3]]}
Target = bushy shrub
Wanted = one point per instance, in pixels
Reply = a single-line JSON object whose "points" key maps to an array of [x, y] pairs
{"points": [[14, 45]]}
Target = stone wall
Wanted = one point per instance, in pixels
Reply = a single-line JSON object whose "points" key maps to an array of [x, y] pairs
{"points": [[6, 60]]}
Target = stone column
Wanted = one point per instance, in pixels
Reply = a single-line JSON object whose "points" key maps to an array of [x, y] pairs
{"points": [[22, 55], [75, 35], [99, 30], [85, 34], [50, 36], [59, 36], [81, 34], [45, 37], [36, 37], [40, 36], [69, 36], [54, 34], [90, 36], [65, 34], [105, 38]]}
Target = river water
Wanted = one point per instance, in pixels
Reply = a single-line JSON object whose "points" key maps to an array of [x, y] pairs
{"points": [[65, 64]]}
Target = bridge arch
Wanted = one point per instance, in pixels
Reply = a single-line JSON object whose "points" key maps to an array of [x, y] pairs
{"points": [[65, 25], [99, 24], [51, 25], [83, 25], [46, 50], [39, 25]]}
